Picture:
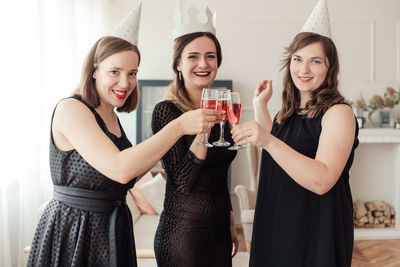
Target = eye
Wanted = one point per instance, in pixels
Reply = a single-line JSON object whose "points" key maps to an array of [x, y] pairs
{"points": [[211, 56], [133, 74], [114, 72], [296, 59], [192, 57], [316, 61]]}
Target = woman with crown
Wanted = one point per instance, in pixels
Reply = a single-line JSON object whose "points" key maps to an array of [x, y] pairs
{"points": [[196, 226], [93, 164], [304, 209]]}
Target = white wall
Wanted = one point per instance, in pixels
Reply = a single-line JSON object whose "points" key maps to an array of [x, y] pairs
{"points": [[252, 35]]}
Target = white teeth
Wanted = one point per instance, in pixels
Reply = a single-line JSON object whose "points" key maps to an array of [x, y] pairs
{"points": [[201, 73], [119, 92]]}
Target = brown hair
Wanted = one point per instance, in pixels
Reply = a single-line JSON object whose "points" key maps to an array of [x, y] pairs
{"points": [[102, 49], [323, 97], [177, 92]]}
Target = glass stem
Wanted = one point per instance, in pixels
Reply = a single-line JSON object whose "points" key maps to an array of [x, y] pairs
{"points": [[204, 138], [221, 136]]}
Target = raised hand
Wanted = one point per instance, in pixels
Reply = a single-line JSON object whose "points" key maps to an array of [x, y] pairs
{"points": [[263, 93]]}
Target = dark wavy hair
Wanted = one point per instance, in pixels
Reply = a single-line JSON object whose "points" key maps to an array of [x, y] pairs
{"points": [[102, 49], [323, 97], [177, 92]]}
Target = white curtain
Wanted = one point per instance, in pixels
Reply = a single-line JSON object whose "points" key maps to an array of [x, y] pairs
{"points": [[43, 45]]}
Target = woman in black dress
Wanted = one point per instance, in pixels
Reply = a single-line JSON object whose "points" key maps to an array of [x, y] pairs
{"points": [[196, 226], [93, 164], [304, 209]]}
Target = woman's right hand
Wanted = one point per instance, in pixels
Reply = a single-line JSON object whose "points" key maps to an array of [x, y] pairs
{"points": [[263, 93], [198, 121]]}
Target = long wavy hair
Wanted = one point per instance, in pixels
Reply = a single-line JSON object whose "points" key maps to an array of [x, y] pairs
{"points": [[322, 98], [177, 92], [102, 49]]}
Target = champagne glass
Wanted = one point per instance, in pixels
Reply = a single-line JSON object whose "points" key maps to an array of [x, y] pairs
{"points": [[234, 114], [208, 101], [222, 104]]}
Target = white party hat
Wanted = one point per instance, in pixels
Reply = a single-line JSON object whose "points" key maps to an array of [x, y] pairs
{"points": [[193, 25], [128, 27], [318, 21]]}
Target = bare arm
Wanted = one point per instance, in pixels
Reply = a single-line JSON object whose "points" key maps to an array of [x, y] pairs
{"points": [[262, 95], [76, 123], [318, 175]]}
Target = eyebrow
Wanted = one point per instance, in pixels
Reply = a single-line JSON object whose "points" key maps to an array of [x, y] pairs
{"points": [[311, 57], [197, 53], [117, 68]]}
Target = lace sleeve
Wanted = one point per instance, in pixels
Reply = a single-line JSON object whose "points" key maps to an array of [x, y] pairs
{"points": [[180, 164]]}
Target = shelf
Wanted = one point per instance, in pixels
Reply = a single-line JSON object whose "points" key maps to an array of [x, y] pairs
{"points": [[375, 175], [379, 135], [367, 234]]}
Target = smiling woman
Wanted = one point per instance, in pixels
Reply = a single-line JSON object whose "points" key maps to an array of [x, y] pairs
{"points": [[196, 192]]}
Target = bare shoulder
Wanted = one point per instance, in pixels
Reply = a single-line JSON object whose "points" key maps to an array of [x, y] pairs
{"points": [[71, 113], [339, 112], [71, 107]]}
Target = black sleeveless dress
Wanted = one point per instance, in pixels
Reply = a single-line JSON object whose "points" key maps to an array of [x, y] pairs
{"points": [[70, 236], [194, 228], [292, 225]]}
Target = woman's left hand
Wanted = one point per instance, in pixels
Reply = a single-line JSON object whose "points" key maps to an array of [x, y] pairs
{"points": [[250, 132], [235, 241]]}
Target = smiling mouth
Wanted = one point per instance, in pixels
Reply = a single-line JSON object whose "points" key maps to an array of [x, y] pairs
{"points": [[119, 93], [202, 74], [305, 79]]}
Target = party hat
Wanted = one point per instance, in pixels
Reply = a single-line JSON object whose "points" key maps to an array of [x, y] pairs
{"points": [[128, 27], [193, 25], [318, 21]]}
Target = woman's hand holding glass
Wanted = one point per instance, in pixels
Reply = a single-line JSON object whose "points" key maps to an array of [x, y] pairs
{"points": [[251, 132], [198, 121]]}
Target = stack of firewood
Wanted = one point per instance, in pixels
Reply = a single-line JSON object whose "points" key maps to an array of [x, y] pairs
{"points": [[373, 214]]}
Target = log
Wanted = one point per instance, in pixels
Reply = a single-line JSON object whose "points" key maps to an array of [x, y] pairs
{"points": [[370, 206], [373, 214], [370, 217], [360, 210]]}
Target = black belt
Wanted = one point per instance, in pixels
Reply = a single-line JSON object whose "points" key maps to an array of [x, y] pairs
{"points": [[99, 201]]}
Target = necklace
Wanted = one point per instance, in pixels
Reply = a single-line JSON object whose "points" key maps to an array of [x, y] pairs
{"points": [[301, 111]]}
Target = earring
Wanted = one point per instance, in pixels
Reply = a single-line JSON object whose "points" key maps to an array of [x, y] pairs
{"points": [[94, 76], [179, 76]]}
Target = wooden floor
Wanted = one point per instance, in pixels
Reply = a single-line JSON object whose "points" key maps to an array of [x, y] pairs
{"points": [[366, 253], [374, 253]]}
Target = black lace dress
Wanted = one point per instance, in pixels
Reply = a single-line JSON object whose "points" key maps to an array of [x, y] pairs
{"points": [[71, 236], [194, 228], [292, 225]]}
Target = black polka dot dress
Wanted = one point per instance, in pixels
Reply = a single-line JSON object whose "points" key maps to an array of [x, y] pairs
{"points": [[194, 228], [70, 236]]}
